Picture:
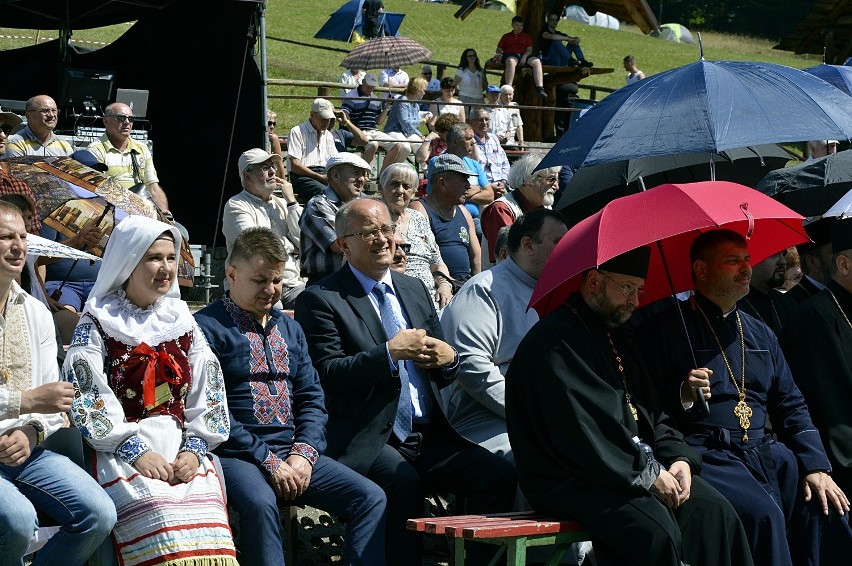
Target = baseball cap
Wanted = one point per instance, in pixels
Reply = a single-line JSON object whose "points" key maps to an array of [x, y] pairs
{"points": [[346, 158], [254, 157], [323, 107], [371, 80], [448, 162], [493, 88]]}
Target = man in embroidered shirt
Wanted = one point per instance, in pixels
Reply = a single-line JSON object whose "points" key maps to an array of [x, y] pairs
{"points": [[791, 508], [590, 441], [32, 400], [128, 160], [309, 148], [257, 206], [374, 337], [533, 189], [277, 414], [321, 254], [818, 344], [37, 137]]}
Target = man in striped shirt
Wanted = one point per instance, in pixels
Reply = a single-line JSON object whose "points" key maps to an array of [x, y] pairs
{"points": [[37, 137], [128, 160]]}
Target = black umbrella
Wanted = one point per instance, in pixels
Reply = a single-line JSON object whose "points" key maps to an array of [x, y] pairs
{"points": [[812, 187], [592, 187]]}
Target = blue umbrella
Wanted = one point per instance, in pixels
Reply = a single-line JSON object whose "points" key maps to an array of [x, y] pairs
{"points": [[707, 106], [838, 75]]}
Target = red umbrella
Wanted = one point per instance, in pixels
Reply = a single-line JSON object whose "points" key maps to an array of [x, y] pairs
{"points": [[667, 219]]}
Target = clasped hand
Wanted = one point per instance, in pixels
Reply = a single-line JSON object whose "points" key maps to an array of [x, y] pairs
{"points": [[697, 379], [415, 345], [292, 478], [674, 485], [152, 465]]}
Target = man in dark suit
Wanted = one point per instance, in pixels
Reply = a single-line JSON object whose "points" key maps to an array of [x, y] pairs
{"points": [[374, 338]]}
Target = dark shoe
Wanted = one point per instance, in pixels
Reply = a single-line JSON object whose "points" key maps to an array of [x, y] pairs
{"points": [[542, 93], [572, 62], [585, 63]]}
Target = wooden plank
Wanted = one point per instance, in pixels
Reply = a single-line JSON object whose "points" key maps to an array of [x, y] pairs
{"points": [[515, 529]]}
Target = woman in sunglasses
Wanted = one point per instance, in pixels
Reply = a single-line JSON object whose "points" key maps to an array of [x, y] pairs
{"points": [[398, 183]]}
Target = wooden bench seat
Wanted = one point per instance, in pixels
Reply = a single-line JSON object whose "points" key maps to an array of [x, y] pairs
{"points": [[513, 532]]}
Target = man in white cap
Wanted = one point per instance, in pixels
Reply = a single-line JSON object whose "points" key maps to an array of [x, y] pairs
{"points": [[366, 111], [8, 122], [821, 148], [311, 145], [259, 206], [321, 252]]}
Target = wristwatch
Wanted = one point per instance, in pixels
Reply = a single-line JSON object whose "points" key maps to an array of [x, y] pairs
{"points": [[39, 428]]}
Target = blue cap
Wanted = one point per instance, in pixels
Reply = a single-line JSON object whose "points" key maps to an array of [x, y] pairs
{"points": [[493, 88]]}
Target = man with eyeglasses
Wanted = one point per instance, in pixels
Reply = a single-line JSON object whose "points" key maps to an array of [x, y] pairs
{"points": [[373, 336], [37, 138], [128, 161], [534, 189], [258, 206], [321, 252], [491, 155], [590, 440]]}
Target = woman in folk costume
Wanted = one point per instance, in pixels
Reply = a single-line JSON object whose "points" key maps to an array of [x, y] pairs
{"points": [[150, 399]]}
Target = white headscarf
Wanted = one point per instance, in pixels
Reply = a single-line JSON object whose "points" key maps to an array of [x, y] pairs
{"points": [[168, 318]]}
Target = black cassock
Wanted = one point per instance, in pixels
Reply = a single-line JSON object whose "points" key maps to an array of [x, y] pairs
{"points": [[818, 347], [760, 477], [772, 308], [576, 450]]}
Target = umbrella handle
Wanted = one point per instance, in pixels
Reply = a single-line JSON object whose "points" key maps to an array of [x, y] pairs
{"points": [[748, 215], [701, 402]]}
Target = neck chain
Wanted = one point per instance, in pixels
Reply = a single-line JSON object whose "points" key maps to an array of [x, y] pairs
{"points": [[627, 400], [742, 411], [836, 302]]}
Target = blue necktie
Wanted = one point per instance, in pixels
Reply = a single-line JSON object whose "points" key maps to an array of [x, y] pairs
{"points": [[402, 422]]}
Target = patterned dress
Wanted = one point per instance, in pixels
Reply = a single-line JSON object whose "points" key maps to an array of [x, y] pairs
{"points": [[424, 251], [167, 398]]}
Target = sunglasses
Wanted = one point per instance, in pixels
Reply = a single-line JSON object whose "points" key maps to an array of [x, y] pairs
{"points": [[404, 247], [6, 128], [122, 118], [271, 123]]}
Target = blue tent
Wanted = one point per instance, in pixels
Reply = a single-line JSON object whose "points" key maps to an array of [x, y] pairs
{"points": [[347, 19]]}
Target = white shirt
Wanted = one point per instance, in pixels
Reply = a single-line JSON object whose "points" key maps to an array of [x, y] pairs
{"points": [[309, 148]]}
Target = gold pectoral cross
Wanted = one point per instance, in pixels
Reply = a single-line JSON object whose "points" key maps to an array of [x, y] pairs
{"points": [[633, 411], [743, 412], [5, 376]]}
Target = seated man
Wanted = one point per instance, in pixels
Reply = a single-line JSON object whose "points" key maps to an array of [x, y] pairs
{"points": [[485, 321], [374, 338], [258, 206], [277, 415], [310, 146], [791, 508], [366, 112], [591, 443], [507, 123], [321, 255], [555, 52], [490, 154], [32, 403], [37, 138], [515, 49]]}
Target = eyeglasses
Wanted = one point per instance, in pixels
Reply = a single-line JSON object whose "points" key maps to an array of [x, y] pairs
{"points": [[387, 231], [428, 74], [471, 56], [47, 111], [550, 179], [627, 289], [6, 128], [121, 118], [404, 247], [264, 167], [271, 123]]}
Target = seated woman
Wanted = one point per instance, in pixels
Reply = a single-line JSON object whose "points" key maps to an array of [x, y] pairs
{"points": [[397, 185], [437, 140], [150, 399], [446, 103], [403, 124]]}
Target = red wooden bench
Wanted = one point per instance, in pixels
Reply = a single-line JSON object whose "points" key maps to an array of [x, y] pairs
{"points": [[513, 532]]}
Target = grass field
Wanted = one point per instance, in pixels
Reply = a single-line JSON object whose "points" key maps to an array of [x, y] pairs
{"points": [[433, 25]]}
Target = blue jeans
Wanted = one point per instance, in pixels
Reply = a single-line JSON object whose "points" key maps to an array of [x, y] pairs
{"points": [[53, 485], [346, 494], [560, 53], [73, 293]]}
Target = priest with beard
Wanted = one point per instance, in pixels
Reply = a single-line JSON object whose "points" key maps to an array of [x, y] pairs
{"points": [[764, 301], [818, 347], [592, 444]]}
